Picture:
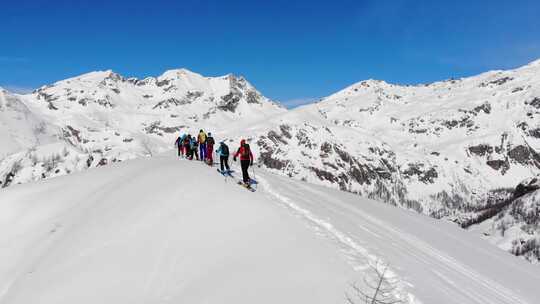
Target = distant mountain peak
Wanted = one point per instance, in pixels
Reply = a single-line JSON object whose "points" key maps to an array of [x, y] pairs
{"points": [[178, 73]]}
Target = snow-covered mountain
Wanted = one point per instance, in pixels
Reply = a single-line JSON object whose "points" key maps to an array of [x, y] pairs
{"points": [[102, 117], [149, 231], [450, 149]]}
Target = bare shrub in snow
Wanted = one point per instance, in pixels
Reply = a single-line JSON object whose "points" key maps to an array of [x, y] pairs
{"points": [[379, 287], [147, 146]]}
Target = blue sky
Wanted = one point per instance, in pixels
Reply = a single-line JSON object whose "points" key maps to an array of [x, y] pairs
{"points": [[292, 51]]}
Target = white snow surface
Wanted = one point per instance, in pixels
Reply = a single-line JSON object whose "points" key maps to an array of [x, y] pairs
{"points": [[164, 230]]}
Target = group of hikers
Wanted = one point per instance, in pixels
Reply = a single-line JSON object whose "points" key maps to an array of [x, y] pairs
{"points": [[201, 147]]}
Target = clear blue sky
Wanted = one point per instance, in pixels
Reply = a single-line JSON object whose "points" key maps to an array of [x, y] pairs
{"points": [[290, 50]]}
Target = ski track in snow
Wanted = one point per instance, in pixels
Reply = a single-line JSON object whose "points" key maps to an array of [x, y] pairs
{"points": [[358, 230], [359, 257], [407, 242]]}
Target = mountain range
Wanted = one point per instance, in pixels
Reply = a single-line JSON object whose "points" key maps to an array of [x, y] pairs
{"points": [[454, 150]]}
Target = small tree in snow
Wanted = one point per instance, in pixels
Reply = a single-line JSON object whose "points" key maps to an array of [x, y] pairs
{"points": [[379, 288], [147, 146]]}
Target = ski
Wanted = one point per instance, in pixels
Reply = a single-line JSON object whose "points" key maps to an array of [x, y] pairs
{"points": [[227, 173], [248, 187]]}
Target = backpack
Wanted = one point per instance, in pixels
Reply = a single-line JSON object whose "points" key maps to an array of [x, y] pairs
{"points": [[245, 152], [202, 138], [210, 141], [224, 150]]}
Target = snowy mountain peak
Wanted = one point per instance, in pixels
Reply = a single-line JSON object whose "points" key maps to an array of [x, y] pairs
{"points": [[535, 63], [178, 74]]}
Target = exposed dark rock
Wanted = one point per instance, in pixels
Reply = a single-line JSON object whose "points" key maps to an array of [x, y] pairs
{"points": [[84, 101], [252, 97], [534, 133], [535, 103], [527, 187], [8, 179], [429, 176], [51, 106], [517, 89], [271, 162], [72, 132], [327, 164], [286, 131], [229, 102], [156, 128], [324, 175], [450, 123], [106, 102], [275, 137], [164, 82], [89, 161], [304, 139], [343, 155], [497, 164], [417, 169], [326, 149], [167, 103], [481, 150], [499, 81], [486, 108], [520, 154]]}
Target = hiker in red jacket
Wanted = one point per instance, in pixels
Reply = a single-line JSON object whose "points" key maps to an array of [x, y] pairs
{"points": [[246, 160], [210, 149]]}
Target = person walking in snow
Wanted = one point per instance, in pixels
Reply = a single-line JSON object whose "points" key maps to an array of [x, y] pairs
{"points": [[202, 144], [193, 146], [223, 152], [180, 144], [210, 149], [187, 146], [246, 160]]}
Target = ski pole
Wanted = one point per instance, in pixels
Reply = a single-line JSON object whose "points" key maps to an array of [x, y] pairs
{"points": [[254, 176]]}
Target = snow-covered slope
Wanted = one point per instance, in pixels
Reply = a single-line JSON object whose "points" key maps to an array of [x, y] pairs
{"points": [[441, 145], [19, 127], [141, 232], [445, 149]]}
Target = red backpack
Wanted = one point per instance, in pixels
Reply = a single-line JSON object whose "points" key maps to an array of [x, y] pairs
{"points": [[244, 153]]}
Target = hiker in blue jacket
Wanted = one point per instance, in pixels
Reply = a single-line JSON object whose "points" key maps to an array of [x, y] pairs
{"points": [[223, 152], [194, 145], [180, 145]]}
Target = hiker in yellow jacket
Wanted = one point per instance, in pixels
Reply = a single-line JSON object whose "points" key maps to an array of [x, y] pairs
{"points": [[202, 145]]}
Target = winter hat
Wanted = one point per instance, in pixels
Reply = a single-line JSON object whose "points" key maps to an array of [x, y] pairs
{"points": [[243, 141]]}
